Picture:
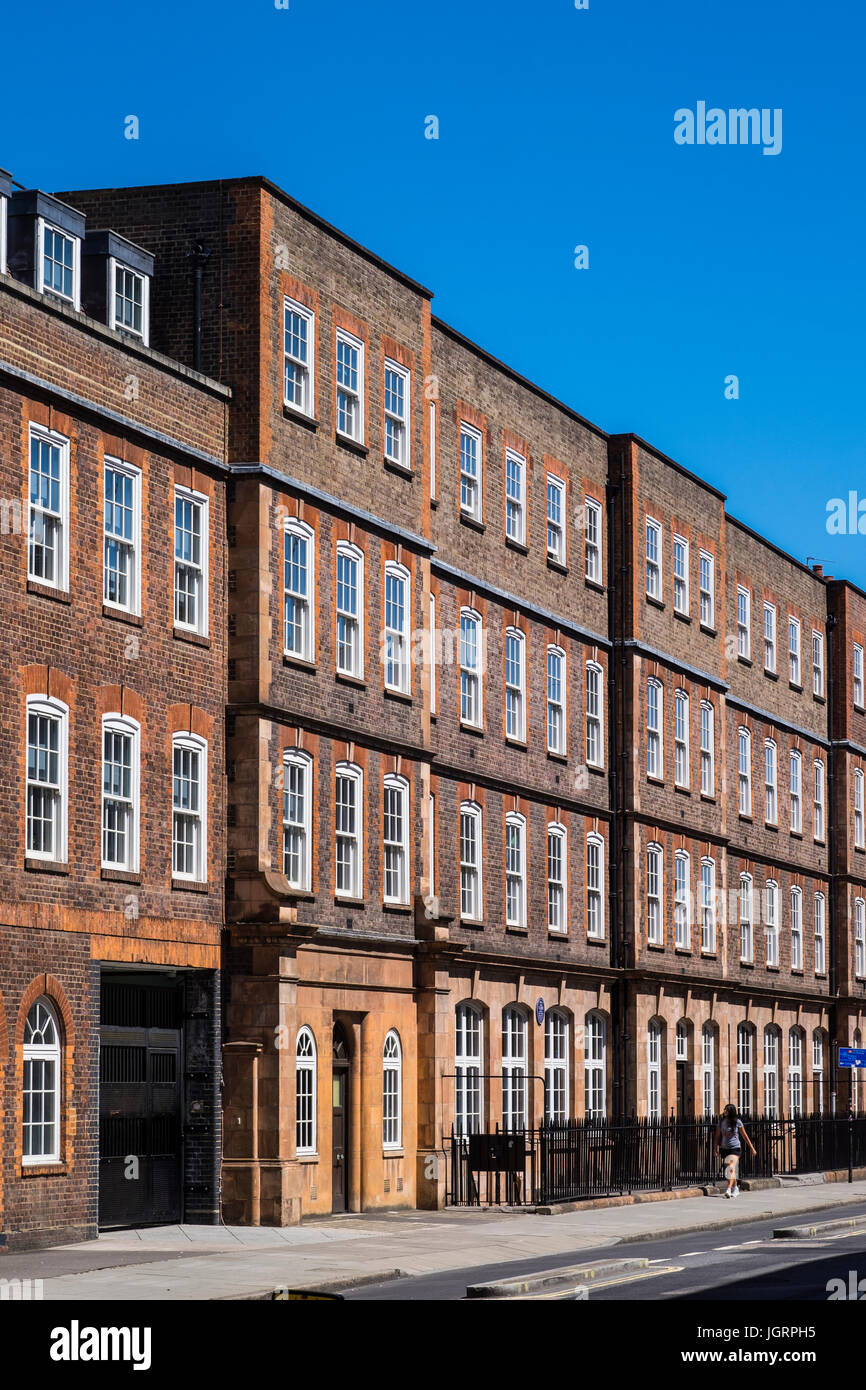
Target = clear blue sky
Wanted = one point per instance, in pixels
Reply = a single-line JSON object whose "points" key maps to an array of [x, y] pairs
{"points": [[556, 129]]}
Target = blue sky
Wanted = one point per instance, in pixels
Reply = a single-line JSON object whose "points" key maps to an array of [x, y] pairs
{"points": [[555, 130]]}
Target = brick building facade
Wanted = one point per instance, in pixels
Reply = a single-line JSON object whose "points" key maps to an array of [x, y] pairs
{"points": [[543, 774]]}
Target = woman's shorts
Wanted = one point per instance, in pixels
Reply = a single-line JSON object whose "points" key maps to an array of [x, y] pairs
{"points": [[731, 1158]]}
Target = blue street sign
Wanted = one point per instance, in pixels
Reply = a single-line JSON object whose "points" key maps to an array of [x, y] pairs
{"points": [[539, 1013], [852, 1056]]}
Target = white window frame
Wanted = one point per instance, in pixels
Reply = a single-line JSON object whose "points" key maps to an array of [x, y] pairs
{"points": [[681, 575], [307, 368], [795, 791], [857, 670], [555, 495], [654, 559], [794, 652], [771, 1071], [395, 651], [795, 1071], [515, 870], [682, 897], [818, 830], [131, 544], [557, 878], [817, 664], [820, 932], [557, 685], [595, 923], [796, 929], [397, 846], [859, 938], [771, 922], [4, 201], [401, 423], [306, 1067], [468, 1068], [744, 623], [708, 905], [36, 1057], [199, 501], [515, 1074], [392, 1091], [471, 666], [595, 1065], [43, 225], [471, 484], [770, 618], [744, 776], [745, 1069], [557, 1037], [115, 265], [433, 648], [593, 542], [131, 729], [708, 1069], [655, 723], [708, 748], [302, 601], [707, 584], [346, 621], [352, 838], [351, 394], [654, 895], [471, 881], [41, 706], [818, 1070], [746, 899], [654, 1069], [431, 416], [189, 742], [515, 692], [682, 758], [301, 824], [859, 831], [515, 498], [594, 715], [59, 518], [771, 782]]}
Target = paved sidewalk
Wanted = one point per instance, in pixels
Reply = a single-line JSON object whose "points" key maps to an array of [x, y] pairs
{"points": [[210, 1262]]}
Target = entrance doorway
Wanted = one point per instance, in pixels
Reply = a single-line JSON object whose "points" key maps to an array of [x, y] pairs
{"points": [[683, 1108], [340, 1120]]}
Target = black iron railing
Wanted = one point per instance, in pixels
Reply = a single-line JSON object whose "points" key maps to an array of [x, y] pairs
{"points": [[597, 1158]]}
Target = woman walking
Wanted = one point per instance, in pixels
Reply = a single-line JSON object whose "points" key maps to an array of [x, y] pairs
{"points": [[729, 1132]]}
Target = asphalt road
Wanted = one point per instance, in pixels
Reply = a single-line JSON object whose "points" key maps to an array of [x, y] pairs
{"points": [[739, 1263]]}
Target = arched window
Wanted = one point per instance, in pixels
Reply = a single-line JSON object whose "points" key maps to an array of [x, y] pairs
{"points": [[594, 715], [796, 929], [771, 807], [297, 818], [745, 1069], [41, 1091], [795, 1071], [682, 1041], [515, 870], [654, 723], [350, 610], [392, 1092], [349, 831], [708, 754], [556, 685], [795, 789], [818, 802], [189, 807], [471, 667], [747, 918], [818, 1071], [744, 764], [654, 894], [595, 886], [305, 1092], [771, 1071], [708, 905], [515, 684], [557, 895], [595, 1065], [682, 921], [820, 935], [395, 821], [396, 631], [859, 833], [120, 794], [467, 1066], [708, 1069], [471, 897], [299, 551], [514, 1074], [859, 937], [771, 921], [681, 739], [47, 778], [556, 1033], [654, 1069]]}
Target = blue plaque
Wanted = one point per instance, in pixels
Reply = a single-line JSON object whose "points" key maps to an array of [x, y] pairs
{"points": [[539, 1013]]}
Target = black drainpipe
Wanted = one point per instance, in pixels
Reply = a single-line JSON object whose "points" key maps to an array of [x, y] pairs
{"points": [[199, 255], [617, 745]]}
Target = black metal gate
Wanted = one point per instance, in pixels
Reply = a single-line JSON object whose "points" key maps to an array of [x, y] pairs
{"points": [[140, 1070]]}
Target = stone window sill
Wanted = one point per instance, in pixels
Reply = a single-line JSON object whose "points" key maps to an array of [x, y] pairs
{"points": [[195, 639], [120, 876], [48, 591], [189, 885], [46, 866], [354, 446], [120, 615], [291, 412]]}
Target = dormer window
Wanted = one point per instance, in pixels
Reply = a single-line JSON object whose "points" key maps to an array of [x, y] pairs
{"points": [[117, 276], [58, 262], [5, 190], [129, 301]]}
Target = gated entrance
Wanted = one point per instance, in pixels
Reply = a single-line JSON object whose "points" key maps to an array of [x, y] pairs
{"points": [[140, 1101]]}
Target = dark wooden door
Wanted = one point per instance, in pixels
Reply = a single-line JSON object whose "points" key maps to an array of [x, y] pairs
{"points": [[682, 1097], [340, 1122]]}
